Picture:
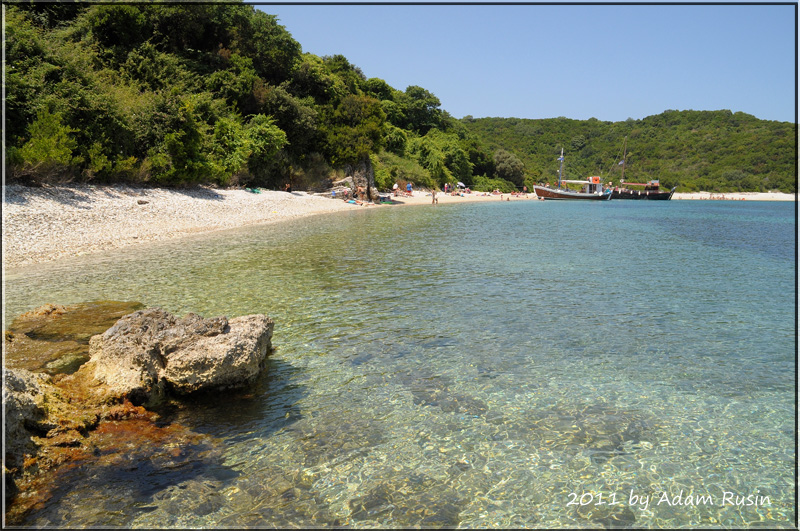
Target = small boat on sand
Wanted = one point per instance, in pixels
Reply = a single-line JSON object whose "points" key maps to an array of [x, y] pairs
{"points": [[592, 188]]}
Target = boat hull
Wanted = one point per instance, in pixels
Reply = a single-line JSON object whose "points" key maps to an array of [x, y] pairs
{"points": [[544, 192], [643, 194]]}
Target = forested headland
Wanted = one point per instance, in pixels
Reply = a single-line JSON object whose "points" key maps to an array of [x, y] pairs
{"points": [[221, 94]]}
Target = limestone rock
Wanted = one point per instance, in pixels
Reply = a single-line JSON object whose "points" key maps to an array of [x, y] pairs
{"points": [[363, 175], [21, 399], [151, 352]]}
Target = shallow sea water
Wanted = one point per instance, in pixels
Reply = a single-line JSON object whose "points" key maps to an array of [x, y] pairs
{"points": [[517, 364]]}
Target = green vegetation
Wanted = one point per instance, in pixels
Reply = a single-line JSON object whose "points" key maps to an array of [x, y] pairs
{"points": [[716, 151], [222, 94]]}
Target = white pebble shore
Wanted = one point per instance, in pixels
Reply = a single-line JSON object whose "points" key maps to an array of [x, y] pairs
{"points": [[48, 223]]}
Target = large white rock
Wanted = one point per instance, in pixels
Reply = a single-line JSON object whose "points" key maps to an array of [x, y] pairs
{"points": [[151, 352]]}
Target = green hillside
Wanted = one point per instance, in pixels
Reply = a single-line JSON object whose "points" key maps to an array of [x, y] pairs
{"points": [[222, 94], [695, 150]]}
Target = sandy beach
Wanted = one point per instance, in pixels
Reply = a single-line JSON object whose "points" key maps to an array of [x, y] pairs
{"points": [[48, 223]]}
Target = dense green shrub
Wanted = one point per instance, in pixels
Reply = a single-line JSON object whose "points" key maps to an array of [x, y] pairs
{"points": [[485, 184], [48, 151]]}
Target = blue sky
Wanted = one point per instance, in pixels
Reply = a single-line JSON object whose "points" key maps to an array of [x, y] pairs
{"points": [[610, 62]]}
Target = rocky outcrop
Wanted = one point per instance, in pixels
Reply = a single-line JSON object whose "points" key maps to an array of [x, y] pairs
{"points": [[22, 397], [363, 176], [93, 411], [151, 353]]}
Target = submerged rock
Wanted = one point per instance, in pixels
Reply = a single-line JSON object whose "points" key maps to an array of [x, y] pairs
{"points": [[54, 339], [150, 352]]}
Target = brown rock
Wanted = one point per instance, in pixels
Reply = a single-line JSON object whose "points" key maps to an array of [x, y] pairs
{"points": [[55, 339], [151, 352]]}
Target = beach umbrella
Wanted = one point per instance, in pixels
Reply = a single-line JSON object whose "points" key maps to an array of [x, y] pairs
{"points": [[462, 185]]}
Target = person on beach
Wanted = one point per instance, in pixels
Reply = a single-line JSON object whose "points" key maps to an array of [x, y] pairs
{"points": [[395, 188], [287, 188], [408, 188], [433, 197]]}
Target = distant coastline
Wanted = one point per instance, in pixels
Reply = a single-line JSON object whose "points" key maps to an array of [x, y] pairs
{"points": [[49, 223]]}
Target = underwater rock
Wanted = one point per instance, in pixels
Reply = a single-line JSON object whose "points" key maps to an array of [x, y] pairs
{"points": [[428, 389], [54, 339], [150, 352], [608, 516], [414, 500]]}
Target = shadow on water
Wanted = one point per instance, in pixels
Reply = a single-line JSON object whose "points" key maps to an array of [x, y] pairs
{"points": [[269, 405]]}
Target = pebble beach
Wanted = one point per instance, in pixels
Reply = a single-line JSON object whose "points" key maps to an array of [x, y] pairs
{"points": [[51, 222], [48, 223]]}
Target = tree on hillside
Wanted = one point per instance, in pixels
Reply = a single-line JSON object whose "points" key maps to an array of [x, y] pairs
{"points": [[271, 47], [265, 140], [378, 89], [421, 110], [298, 117], [312, 78], [509, 167], [351, 76], [355, 129], [49, 149]]}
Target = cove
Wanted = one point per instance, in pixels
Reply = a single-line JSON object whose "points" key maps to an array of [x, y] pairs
{"points": [[469, 365]]}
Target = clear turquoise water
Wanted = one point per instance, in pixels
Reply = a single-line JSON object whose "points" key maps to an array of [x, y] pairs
{"points": [[477, 365]]}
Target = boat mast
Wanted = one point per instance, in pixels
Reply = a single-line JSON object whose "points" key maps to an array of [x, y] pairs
{"points": [[624, 155], [560, 167]]}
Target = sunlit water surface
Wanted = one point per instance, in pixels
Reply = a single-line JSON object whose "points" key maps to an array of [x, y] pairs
{"points": [[517, 364]]}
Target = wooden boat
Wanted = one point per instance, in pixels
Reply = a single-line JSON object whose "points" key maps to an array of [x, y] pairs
{"points": [[592, 188], [652, 189]]}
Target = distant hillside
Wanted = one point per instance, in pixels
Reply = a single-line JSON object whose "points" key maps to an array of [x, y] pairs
{"points": [[696, 150]]}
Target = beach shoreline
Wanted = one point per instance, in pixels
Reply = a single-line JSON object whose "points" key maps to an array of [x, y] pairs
{"points": [[44, 224]]}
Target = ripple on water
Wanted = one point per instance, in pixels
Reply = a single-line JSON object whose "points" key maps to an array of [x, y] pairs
{"points": [[482, 377]]}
